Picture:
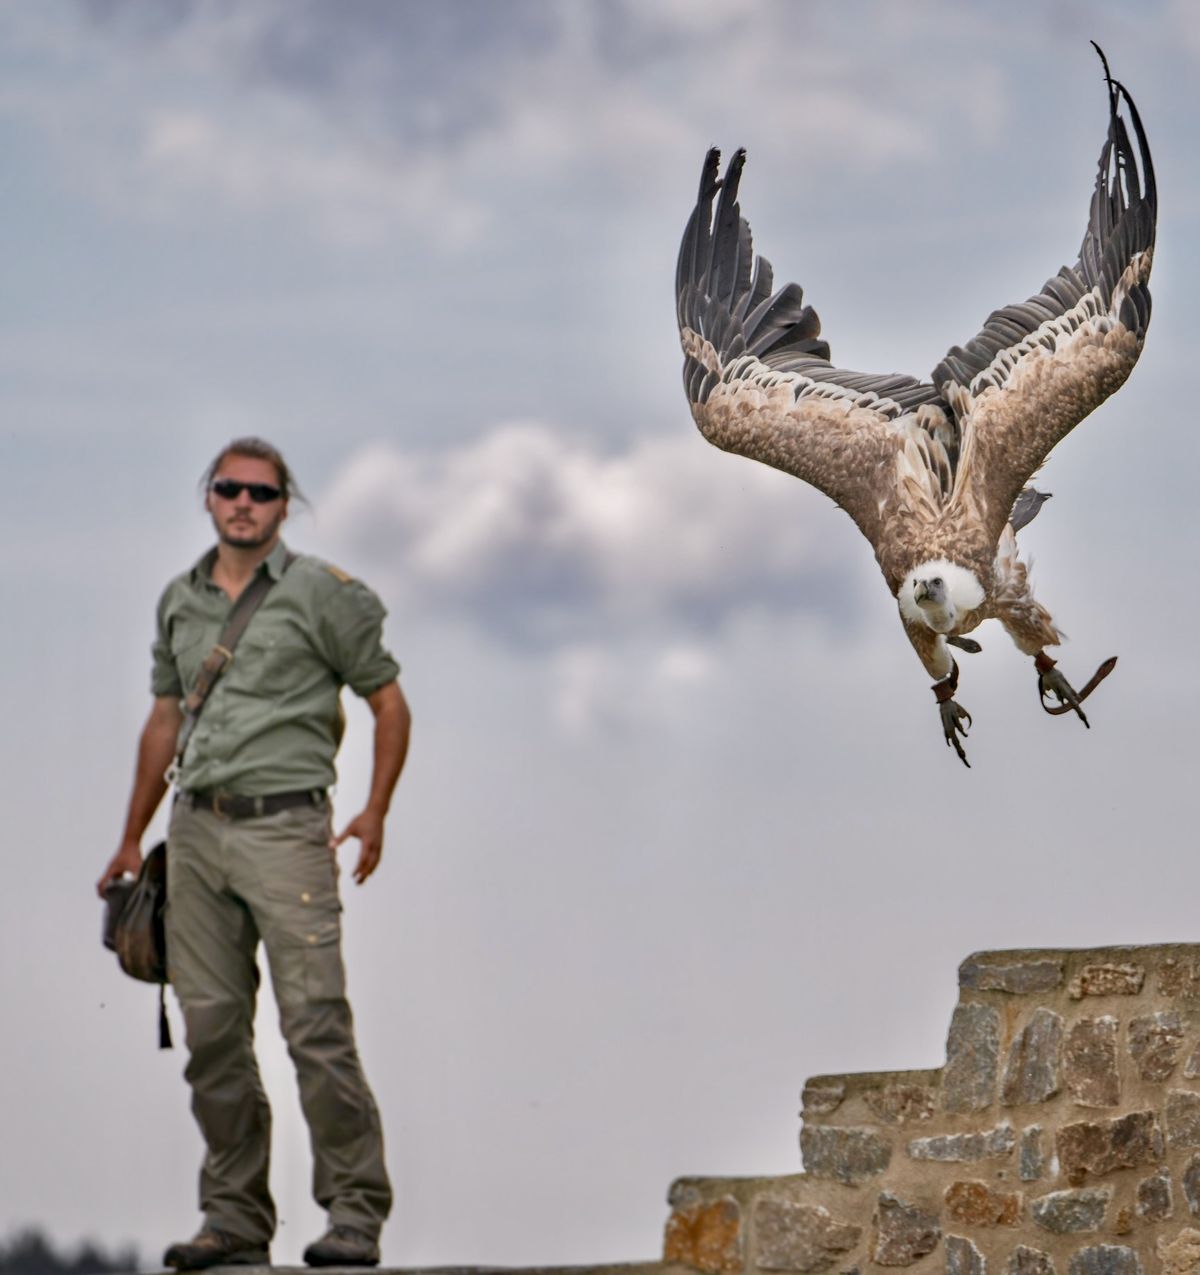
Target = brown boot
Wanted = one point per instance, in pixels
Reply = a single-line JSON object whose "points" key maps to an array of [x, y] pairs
{"points": [[210, 1247], [342, 1246]]}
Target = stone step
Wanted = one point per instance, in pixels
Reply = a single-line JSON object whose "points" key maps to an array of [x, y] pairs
{"points": [[871, 1097], [1061, 1137]]}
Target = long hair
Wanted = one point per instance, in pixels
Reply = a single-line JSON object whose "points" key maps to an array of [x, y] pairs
{"points": [[257, 449]]}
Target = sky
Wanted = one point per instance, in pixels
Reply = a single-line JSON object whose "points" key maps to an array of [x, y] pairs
{"points": [[679, 828]]}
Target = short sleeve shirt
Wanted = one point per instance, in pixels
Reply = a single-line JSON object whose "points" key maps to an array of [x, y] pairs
{"points": [[273, 722]]}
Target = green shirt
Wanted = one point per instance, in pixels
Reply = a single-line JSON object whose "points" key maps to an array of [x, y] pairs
{"points": [[273, 721]]}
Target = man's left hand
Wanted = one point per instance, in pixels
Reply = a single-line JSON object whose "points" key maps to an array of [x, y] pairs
{"points": [[368, 828]]}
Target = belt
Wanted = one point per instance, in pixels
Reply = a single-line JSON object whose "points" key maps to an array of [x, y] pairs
{"points": [[234, 805]]}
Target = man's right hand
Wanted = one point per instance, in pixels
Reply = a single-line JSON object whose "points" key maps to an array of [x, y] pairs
{"points": [[127, 859]]}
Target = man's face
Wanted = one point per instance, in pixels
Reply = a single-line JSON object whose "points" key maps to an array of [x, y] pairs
{"points": [[239, 520]]}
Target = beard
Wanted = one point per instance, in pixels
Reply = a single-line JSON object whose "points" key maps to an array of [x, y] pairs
{"points": [[245, 535]]}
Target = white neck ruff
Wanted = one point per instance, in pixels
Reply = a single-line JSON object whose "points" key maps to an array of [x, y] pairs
{"points": [[966, 593]]}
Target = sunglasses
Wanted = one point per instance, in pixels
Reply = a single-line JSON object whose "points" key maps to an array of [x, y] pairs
{"points": [[231, 489]]}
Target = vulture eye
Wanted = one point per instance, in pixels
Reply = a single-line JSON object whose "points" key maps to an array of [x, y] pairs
{"points": [[936, 582]]}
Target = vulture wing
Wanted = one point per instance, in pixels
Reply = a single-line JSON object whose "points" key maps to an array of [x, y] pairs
{"points": [[761, 384], [1038, 368]]}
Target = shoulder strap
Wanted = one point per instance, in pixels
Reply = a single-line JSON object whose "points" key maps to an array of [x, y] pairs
{"points": [[217, 660]]}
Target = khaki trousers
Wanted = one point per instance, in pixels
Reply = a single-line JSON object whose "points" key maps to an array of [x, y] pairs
{"points": [[231, 883]]}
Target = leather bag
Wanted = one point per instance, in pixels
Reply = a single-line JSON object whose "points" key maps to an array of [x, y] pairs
{"points": [[135, 920], [134, 929]]}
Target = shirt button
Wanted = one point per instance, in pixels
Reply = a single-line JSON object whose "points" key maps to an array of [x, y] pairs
{"points": [[312, 938], [306, 897]]}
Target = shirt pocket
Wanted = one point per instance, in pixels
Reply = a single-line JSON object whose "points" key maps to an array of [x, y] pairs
{"points": [[270, 666]]}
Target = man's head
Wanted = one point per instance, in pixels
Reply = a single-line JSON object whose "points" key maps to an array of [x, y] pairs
{"points": [[246, 490]]}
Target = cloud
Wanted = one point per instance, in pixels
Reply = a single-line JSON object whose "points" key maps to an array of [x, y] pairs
{"points": [[191, 154], [622, 581], [358, 121], [542, 542]]}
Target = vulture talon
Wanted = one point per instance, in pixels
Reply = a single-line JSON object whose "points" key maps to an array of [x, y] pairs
{"points": [[953, 716], [1053, 683]]}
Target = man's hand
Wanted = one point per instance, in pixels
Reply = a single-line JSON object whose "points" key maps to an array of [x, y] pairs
{"points": [[392, 721], [368, 828], [127, 859]]}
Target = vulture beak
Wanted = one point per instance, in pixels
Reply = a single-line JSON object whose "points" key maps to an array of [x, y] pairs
{"points": [[920, 591]]}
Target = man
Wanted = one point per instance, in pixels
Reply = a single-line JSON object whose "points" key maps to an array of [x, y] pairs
{"points": [[251, 857]]}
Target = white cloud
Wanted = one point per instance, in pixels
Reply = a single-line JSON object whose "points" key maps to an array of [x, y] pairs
{"points": [[621, 684], [622, 577], [624, 581], [289, 160], [543, 541], [353, 134], [276, 111]]}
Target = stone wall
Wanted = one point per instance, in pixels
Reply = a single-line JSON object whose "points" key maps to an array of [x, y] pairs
{"points": [[1061, 1137]]}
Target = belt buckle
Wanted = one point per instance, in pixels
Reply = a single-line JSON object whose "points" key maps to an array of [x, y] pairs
{"points": [[216, 805]]}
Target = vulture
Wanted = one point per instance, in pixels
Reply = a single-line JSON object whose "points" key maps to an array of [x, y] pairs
{"points": [[934, 473]]}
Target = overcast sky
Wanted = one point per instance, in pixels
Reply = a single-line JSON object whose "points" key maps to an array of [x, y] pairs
{"points": [[679, 827]]}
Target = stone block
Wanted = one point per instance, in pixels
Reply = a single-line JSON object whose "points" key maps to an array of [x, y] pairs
{"points": [[904, 1232], [972, 1058], [1179, 978], [1154, 1044], [1190, 1181], [684, 1194], [965, 1148], [799, 1237], [1183, 1118], [962, 1257], [1107, 980], [1071, 1212], [1154, 1197], [1019, 978], [1032, 1162], [846, 1152], [1029, 1261], [1094, 1149], [976, 1204], [901, 1104], [1180, 1256], [1106, 1259], [822, 1098], [1032, 1071], [707, 1237], [1191, 1068], [1090, 1063]]}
